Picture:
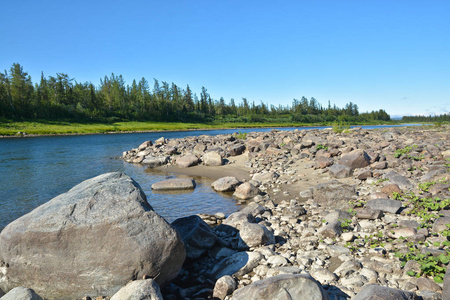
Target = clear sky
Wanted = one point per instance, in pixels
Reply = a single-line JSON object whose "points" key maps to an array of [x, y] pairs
{"points": [[385, 54]]}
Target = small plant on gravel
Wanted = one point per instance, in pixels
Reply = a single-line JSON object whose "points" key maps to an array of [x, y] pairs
{"points": [[346, 224], [402, 151], [425, 186], [240, 135], [429, 265], [380, 181], [320, 146]]}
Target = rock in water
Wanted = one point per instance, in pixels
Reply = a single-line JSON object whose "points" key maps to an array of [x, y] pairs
{"points": [[286, 286], [90, 241]]}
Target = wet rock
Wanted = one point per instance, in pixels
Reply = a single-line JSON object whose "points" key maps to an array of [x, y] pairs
{"points": [[109, 211], [197, 236], [187, 161], [146, 289], [287, 286], [174, 184], [225, 184]]}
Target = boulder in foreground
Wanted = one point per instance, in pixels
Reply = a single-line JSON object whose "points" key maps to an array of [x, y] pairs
{"points": [[90, 241], [146, 289]]}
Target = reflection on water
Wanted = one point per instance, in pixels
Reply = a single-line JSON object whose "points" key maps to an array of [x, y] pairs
{"points": [[34, 170]]}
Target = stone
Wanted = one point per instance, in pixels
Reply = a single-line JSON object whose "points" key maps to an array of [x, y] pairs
{"points": [[348, 267], [254, 235], [381, 165], [323, 275], [265, 177], [174, 184], [377, 292], [146, 289], [155, 161], [398, 179], [363, 175], [277, 261], [225, 184], [253, 209], [197, 236], [440, 224], [236, 220], [237, 150], [402, 232], [145, 145], [212, 158], [390, 188], [224, 286], [21, 293], [355, 159], [246, 191], [160, 141], [322, 162], [385, 205], [187, 161], [446, 285], [237, 264], [338, 215], [368, 213], [199, 149], [285, 286], [90, 240], [426, 284], [339, 171], [334, 194], [331, 230]]}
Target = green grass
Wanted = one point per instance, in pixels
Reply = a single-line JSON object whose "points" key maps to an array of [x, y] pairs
{"points": [[11, 128]]}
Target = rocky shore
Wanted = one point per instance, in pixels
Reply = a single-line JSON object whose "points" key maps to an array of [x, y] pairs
{"points": [[358, 214]]}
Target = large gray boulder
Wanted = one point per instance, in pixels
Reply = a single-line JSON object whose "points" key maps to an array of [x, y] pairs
{"points": [[385, 205], [146, 289], [286, 286], [334, 194], [339, 171], [197, 236], [21, 293], [376, 292], [91, 241]]}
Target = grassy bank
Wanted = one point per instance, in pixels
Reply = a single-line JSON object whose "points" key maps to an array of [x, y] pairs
{"points": [[12, 128]]}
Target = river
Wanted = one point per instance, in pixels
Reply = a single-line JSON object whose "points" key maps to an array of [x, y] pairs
{"points": [[36, 169]]}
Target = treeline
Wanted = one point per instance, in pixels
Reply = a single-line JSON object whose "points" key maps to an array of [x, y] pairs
{"points": [[440, 118], [62, 97]]}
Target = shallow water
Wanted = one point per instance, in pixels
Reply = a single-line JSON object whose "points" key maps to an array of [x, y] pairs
{"points": [[34, 170]]}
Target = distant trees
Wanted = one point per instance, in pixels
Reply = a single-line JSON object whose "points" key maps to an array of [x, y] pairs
{"points": [[62, 97], [435, 118]]}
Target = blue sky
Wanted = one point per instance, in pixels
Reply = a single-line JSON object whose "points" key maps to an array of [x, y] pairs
{"points": [[389, 54]]}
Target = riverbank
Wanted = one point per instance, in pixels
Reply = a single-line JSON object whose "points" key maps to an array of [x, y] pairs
{"points": [[351, 209], [46, 128]]}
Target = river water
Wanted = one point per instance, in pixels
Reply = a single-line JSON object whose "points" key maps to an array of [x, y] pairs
{"points": [[36, 169]]}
